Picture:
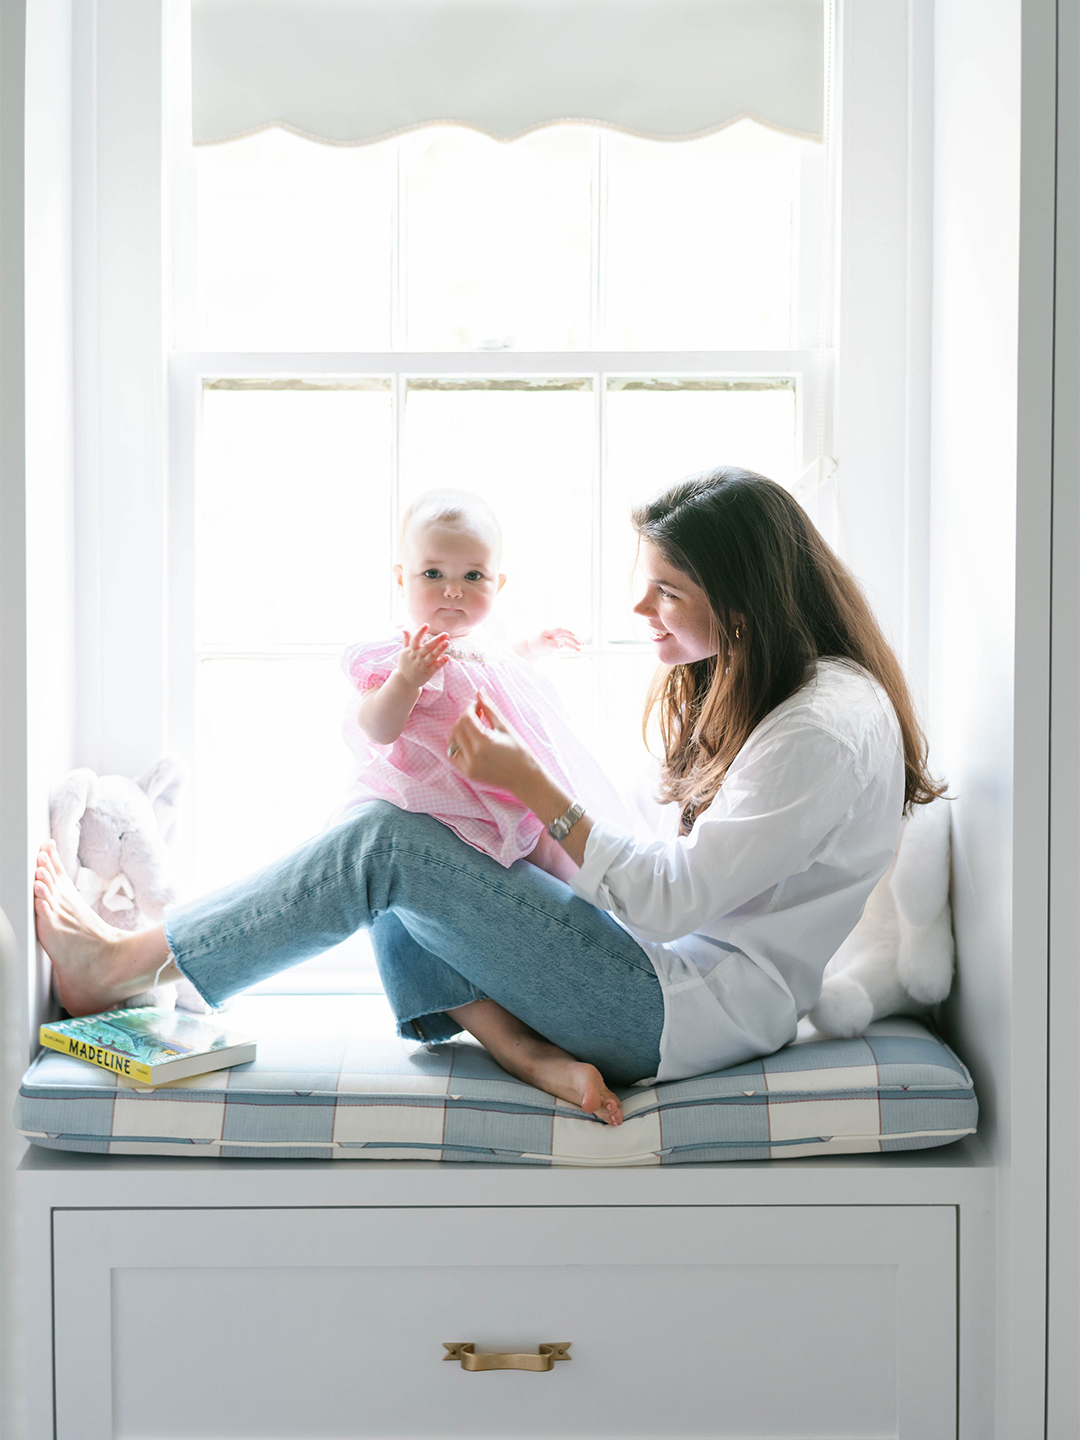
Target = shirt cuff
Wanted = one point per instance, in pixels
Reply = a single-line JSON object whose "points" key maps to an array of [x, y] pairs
{"points": [[604, 845]]}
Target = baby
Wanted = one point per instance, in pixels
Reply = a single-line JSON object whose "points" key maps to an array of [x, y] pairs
{"points": [[417, 684]]}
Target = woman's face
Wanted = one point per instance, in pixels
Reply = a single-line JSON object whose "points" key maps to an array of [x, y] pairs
{"points": [[677, 609]]}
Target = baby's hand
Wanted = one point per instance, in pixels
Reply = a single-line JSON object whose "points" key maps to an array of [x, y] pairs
{"points": [[421, 656], [547, 641]]}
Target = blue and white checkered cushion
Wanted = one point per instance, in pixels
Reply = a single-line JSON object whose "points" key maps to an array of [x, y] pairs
{"points": [[312, 1093]]}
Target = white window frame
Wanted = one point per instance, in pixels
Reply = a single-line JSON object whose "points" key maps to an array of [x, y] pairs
{"points": [[136, 382]]}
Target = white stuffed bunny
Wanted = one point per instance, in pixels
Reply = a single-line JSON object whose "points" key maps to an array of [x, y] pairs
{"points": [[899, 958], [111, 832]]}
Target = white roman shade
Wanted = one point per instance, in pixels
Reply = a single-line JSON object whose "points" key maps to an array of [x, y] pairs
{"points": [[352, 71]]}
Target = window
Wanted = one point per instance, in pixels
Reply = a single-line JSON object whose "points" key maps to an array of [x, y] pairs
{"points": [[569, 238], [562, 323]]}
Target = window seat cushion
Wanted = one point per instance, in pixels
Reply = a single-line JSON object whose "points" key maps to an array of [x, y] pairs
{"points": [[331, 1081]]}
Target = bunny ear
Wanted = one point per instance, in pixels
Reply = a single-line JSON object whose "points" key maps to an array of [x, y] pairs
{"points": [[920, 878], [162, 783], [67, 805]]}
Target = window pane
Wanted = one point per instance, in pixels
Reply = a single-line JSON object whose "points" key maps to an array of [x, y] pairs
{"points": [[529, 452], [604, 695], [699, 240], [295, 243], [497, 240], [293, 527], [271, 768], [296, 240], [660, 431]]}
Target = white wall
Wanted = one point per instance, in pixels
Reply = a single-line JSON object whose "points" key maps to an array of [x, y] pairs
{"points": [[976, 269], [50, 563], [990, 618], [886, 110], [13, 889], [120, 383], [36, 636], [873, 302], [1063, 1309], [43, 693]]}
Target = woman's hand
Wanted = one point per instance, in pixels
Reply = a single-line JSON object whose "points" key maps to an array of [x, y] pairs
{"points": [[421, 656], [483, 747]]}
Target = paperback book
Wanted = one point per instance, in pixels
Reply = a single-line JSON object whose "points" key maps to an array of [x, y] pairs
{"points": [[147, 1045]]}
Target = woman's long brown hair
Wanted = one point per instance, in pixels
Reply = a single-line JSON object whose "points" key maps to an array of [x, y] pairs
{"points": [[781, 601]]}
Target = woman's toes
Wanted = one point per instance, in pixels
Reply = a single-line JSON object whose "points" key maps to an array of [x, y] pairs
{"points": [[596, 1099], [612, 1106]]}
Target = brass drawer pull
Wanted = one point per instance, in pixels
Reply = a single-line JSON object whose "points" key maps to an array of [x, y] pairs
{"points": [[545, 1357]]}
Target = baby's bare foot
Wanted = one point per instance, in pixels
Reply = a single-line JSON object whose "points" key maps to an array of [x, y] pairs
{"points": [[96, 966]]}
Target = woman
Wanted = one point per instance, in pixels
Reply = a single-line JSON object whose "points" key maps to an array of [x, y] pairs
{"points": [[790, 749]]}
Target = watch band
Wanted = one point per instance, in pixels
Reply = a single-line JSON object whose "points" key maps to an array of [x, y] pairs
{"points": [[561, 826]]}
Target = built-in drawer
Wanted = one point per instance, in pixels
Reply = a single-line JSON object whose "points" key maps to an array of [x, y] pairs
{"points": [[683, 1321]]}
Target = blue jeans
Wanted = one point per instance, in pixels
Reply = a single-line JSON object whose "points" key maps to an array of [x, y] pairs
{"points": [[448, 925]]}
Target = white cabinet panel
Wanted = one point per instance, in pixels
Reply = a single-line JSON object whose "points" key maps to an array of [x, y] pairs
{"points": [[689, 1321]]}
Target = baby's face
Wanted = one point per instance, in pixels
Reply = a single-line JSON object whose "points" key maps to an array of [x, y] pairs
{"points": [[449, 578]]}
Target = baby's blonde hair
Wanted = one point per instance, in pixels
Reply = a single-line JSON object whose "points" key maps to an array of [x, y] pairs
{"points": [[458, 510]]}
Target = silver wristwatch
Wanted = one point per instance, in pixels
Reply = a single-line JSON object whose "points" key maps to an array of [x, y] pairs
{"points": [[561, 826]]}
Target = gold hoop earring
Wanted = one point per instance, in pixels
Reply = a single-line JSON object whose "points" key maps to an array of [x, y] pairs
{"points": [[738, 632]]}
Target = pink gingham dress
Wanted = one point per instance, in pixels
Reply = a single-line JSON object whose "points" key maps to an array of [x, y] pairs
{"points": [[415, 773]]}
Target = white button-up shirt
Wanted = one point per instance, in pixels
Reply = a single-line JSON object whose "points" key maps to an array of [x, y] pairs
{"points": [[741, 916]]}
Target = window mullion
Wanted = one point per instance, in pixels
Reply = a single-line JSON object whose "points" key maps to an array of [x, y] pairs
{"points": [[684, 364], [599, 619], [397, 448], [596, 242], [399, 221], [597, 336], [185, 405]]}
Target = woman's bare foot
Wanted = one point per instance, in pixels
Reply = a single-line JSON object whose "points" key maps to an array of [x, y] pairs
{"points": [[581, 1083], [537, 1061], [96, 966]]}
